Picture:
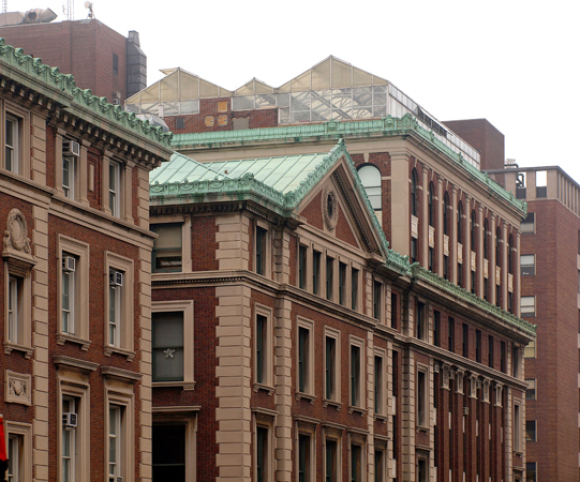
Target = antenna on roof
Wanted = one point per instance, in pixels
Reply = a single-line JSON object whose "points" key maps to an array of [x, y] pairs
{"points": [[69, 10], [4, 6], [89, 5]]}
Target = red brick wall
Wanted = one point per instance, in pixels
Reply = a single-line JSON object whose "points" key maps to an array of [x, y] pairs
{"points": [[203, 243]]}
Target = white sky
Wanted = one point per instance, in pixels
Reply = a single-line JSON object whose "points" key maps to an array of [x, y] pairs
{"points": [[513, 62]]}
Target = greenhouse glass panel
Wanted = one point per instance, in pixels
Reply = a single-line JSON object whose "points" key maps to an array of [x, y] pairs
{"points": [[380, 111], [283, 100], [169, 88], [243, 102], [362, 97], [284, 115], [132, 108], [301, 82], [342, 99], [321, 105], [362, 112], [301, 116], [208, 90], [170, 108], [189, 107], [150, 109], [321, 76], [379, 96], [300, 101], [247, 89], [361, 78], [188, 87], [150, 95], [265, 101], [341, 75]]}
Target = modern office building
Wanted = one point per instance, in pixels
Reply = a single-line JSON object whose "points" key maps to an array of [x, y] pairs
{"points": [[101, 59], [75, 276]]}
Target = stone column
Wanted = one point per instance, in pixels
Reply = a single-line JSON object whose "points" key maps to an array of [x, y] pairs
{"points": [[439, 228], [453, 237], [400, 186]]}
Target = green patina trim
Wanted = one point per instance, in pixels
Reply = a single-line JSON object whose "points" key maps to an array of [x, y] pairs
{"points": [[389, 126], [63, 86], [425, 275]]}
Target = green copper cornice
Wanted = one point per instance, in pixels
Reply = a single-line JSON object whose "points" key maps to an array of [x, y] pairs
{"points": [[386, 127], [433, 279], [62, 89]]}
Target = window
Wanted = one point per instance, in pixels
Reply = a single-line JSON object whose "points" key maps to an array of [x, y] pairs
{"points": [[263, 348], [530, 350], [431, 258], [528, 306], [262, 454], [437, 328], [531, 390], [414, 250], [530, 430], [354, 288], [478, 346], [528, 224], [305, 458], [503, 354], [473, 230], [527, 264], [332, 365], [302, 253], [370, 178], [115, 64], [114, 443], [380, 383], [316, 257], [261, 250], [451, 335], [486, 235], [17, 307], [169, 459], [420, 322], [332, 463], [377, 300], [356, 382], [510, 254], [531, 472], [356, 462], [460, 222], [119, 305], [465, 340], [459, 274], [69, 443], [380, 462], [69, 175], [329, 278], [517, 428], [490, 348], [12, 143], [115, 188], [167, 253], [431, 205], [172, 343], [498, 246], [305, 357], [516, 361], [414, 193], [119, 427], [422, 391], [19, 451], [445, 214], [341, 283], [394, 310], [68, 293]]}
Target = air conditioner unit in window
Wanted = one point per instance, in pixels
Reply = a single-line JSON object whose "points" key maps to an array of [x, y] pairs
{"points": [[465, 410], [69, 419], [71, 148], [68, 264], [116, 101], [116, 278]]}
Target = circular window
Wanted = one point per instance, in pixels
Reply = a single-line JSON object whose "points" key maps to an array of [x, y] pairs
{"points": [[330, 208]]}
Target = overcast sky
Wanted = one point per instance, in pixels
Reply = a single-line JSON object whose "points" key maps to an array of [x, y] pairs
{"points": [[514, 62]]}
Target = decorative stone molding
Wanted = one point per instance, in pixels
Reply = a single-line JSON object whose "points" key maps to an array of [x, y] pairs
{"points": [[445, 372], [473, 386], [330, 208], [459, 374], [498, 394], [485, 386], [17, 388], [16, 240]]}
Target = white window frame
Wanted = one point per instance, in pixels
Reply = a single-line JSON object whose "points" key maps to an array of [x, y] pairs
{"points": [[425, 408], [358, 440], [115, 188], [267, 383], [380, 316], [530, 350], [357, 405], [267, 248], [335, 398], [185, 221], [21, 120], [22, 462], [528, 302], [263, 419], [124, 316], [69, 187], [522, 264], [116, 434], [17, 311], [80, 311], [15, 146], [304, 428], [187, 307], [333, 435], [309, 381], [518, 426]]}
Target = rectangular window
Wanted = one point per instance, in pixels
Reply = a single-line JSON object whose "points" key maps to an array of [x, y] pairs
{"points": [[115, 188], [465, 340], [516, 361], [332, 461], [305, 356], [167, 254], [394, 311], [261, 250], [527, 264], [115, 64], [69, 439], [68, 293], [167, 346], [459, 274], [12, 144], [304, 458], [531, 472], [422, 399], [377, 299], [15, 309], [115, 443], [341, 283], [528, 224], [431, 258], [316, 259], [329, 278], [302, 252], [530, 350], [119, 305], [356, 469], [478, 346], [503, 357], [436, 328], [528, 306], [451, 335], [420, 322], [354, 289], [446, 267], [517, 428], [332, 365], [115, 303], [169, 452], [14, 450], [69, 176], [380, 383], [531, 390], [380, 464], [490, 348], [261, 348], [355, 375], [262, 454]]}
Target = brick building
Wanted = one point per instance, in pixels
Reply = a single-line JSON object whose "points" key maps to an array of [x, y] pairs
{"points": [[74, 279], [101, 59], [244, 255], [550, 273]]}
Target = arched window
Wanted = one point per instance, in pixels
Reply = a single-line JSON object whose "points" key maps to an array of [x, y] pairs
{"points": [[445, 215], [459, 222], [431, 205], [486, 239], [414, 192], [370, 177], [510, 255], [497, 245], [473, 231]]}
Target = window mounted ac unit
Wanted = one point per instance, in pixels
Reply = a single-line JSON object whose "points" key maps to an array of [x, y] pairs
{"points": [[69, 419], [68, 264], [465, 410], [71, 148], [116, 101], [116, 278]]}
